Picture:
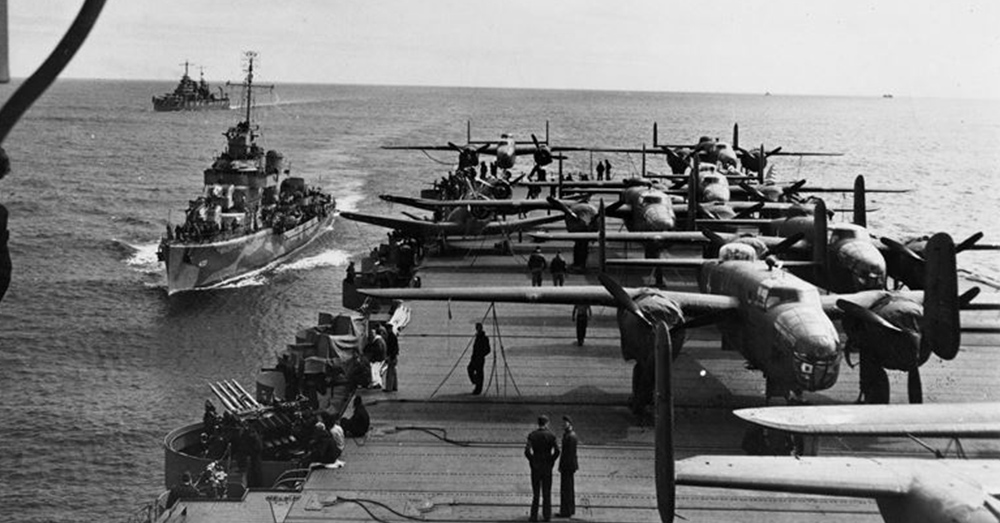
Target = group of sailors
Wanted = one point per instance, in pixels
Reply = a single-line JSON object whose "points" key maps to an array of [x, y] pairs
{"points": [[468, 182], [392, 264], [291, 431], [290, 211]]}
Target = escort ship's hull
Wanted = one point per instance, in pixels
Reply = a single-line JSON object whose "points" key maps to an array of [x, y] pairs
{"points": [[201, 265], [176, 104]]}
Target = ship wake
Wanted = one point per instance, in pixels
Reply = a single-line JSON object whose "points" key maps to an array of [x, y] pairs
{"points": [[330, 258], [141, 258]]}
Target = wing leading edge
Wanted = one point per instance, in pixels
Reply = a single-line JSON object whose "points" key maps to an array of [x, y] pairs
{"points": [[979, 420], [692, 303]]}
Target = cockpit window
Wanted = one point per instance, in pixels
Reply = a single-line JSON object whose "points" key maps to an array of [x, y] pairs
{"points": [[769, 297], [737, 251], [839, 234], [779, 296], [651, 199]]}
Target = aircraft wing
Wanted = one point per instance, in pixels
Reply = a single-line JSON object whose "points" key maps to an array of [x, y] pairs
{"points": [[403, 225], [790, 153], [581, 186], [865, 299], [418, 147], [686, 262], [527, 148], [833, 476], [506, 206], [664, 237], [625, 236], [506, 227], [850, 190], [429, 229], [682, 208], [976, 420], [691, 302]]}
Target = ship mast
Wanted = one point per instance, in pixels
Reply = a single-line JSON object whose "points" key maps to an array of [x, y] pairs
{"points": [[249, 83]]}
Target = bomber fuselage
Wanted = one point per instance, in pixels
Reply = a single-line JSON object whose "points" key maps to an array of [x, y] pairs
{"points": [[781, 328], [506, 152], [651, 210]]}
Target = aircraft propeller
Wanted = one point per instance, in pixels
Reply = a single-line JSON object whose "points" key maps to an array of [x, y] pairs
{"points": [[468, 156], [907, 265], [756, 160], [774, 193], [543, 155], [622, 298], [897, 333]]}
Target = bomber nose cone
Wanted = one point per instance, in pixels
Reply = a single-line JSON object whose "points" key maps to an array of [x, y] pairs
{"points": [[658, 218], [716, 193], [817, 362], [866, 264]]}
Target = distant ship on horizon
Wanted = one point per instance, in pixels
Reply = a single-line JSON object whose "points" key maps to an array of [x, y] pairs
{"points": [[190, 95], [886, 95]]}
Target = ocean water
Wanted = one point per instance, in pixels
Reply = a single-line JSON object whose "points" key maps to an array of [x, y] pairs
{"points": [[98, 364]]}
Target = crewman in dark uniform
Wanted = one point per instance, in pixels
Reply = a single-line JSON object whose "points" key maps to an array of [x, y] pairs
{"points": [[567, 467], [558, 270], [184, 490], [358, 424], [541, 451], [581, 315], [480, 348], [536, 265]]}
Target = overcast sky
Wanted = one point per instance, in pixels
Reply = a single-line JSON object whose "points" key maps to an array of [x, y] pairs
{"points": [[848, 47]]}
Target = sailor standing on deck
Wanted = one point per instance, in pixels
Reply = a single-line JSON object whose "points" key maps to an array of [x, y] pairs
{"points": [[536, 265], [376, 355], [567, 467], [541, 451], [390, 383], [581, 315], [184, 490], [480, 348], [558, 270]]}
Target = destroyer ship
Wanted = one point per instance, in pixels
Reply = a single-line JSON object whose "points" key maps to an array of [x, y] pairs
{"points": [[245, 220], [191, 96]]}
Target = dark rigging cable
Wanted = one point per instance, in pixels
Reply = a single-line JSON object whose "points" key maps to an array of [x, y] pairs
{"points": [[36, 84]]}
